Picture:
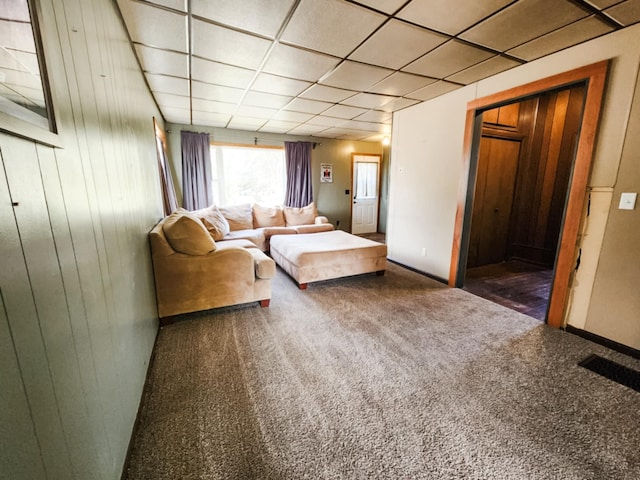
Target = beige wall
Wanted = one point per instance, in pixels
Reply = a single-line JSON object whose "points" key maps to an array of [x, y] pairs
{"points": [[77, 304], [426, 172], [329, 197]]}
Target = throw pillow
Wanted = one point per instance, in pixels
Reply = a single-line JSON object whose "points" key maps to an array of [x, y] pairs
{"points": [[267, 216], [300, 216], [214, 221], [239, 217], [186, 234]]}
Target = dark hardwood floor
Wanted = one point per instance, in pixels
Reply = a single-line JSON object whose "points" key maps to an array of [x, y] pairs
{"points": [[517, 285]]}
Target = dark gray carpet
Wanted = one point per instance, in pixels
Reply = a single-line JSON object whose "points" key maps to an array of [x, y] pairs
{"points": [[393, 377]]}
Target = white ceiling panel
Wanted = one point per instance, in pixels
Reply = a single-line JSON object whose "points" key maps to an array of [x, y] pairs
{"points": [[375, 116], [210, 119], [346, 133], [398, 104], [296, 63], [289, 116], [433, 90], [256, 112], [176, 115], [201, 105], [307, 106], [326, 122], [355, 76], [268, 100], [367, 100], [522, 22], [573, 34], [264, 17], [216, 92], [401, 83], [165, 84], [155, 27], [331, 26], [397, 44], [306, 129], [626, 13], [180, 5], [602, 4], [365, 126], [447, 59], [163, 61], [452, 16], [246, 123], [386, 6], [344, 111], [268, 83], [228, 46], [220, 74], [175, 101], [327, 94], [484, 69], [278, 126]]}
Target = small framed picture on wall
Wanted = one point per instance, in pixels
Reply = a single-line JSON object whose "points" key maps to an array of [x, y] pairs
{"points": [[326, 173]]}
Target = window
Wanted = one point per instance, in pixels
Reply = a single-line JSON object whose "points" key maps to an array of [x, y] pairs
{"points": [[247, 174], [24, 99]]}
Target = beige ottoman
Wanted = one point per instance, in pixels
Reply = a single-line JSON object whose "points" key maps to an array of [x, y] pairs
{"points": [[311, 257]]}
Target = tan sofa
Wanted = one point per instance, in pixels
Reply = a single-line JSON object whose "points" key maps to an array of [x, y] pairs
{"points": [[193, 272], [258, 223]]}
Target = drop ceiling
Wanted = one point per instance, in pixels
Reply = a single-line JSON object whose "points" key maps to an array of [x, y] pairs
{"points": [[340, 68]]}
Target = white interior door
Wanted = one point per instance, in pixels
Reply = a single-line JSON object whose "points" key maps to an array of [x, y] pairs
{"points": [[366, 175]]}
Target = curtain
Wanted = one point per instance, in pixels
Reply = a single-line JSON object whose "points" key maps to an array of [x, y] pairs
{"points": [[196, 170], [299, 188], [169, 199]]}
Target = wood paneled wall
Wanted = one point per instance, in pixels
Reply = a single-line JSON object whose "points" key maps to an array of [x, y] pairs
{"points": [[77, 306]]}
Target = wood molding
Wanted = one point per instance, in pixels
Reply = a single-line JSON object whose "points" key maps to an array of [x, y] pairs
{"points": [[594, 76]]}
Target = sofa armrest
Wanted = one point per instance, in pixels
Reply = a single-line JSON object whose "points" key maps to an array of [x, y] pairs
{"points": [[265, 267]]}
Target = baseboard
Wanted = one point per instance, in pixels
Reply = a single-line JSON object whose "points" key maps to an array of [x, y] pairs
{"points": [[415, 270], [618, 347]]}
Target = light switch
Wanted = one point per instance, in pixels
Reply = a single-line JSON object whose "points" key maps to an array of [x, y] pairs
{"points": [[628, 201]]}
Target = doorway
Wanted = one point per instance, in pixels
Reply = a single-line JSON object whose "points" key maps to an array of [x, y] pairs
{"points": [[566, 254], [366, 193]]}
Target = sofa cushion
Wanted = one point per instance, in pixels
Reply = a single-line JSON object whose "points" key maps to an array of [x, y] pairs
{"points": [[239, 217], [214, 221], [256, 236], [300, 216], [267, 216], [187, 234], [315, 228]]}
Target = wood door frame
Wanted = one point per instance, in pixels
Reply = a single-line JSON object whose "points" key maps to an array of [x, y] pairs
{"points": [[594, 76], [352, 198]]}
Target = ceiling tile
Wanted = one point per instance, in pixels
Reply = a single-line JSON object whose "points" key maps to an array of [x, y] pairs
{"points": [[346, 133], [386, 6], [163, 61], [367, 100], [256, 112], [626, 13], [355, 76], [307, 129], [344, 111], [433, 90], [261, 16], [165, 84], [401, 83], [325, 122], [602, 4], [246, 123], [484, 69], [307, 106], [228, 46], [368, 126], [330, 26], [573, 34], [268, 83], [278, 126], [447, 59], [397, 44], [288, 116], [523, 21], [268, 100], [201, 105], [176, 115], [155, 27], [175, 101], [175, 4], [398, 104], [452, 16], [211, 119], [216, 92], [375, 116], [296, 63], [327, 94], [220, 74]]}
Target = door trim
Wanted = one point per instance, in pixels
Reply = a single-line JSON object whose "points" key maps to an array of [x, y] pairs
{"points": [[594, 76], [351, 196]]}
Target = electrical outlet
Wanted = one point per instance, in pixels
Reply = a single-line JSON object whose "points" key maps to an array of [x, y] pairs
{"points": [[424, 251]]}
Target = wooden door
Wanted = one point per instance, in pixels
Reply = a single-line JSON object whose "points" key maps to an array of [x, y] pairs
{"points": [[495, 185]]}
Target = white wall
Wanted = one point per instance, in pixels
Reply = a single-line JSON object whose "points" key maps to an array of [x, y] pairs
{"points": [[427, 152], [78, 316]]}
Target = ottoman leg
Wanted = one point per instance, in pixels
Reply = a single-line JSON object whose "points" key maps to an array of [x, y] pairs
{"points": [[302, 286], [265, 303]]}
